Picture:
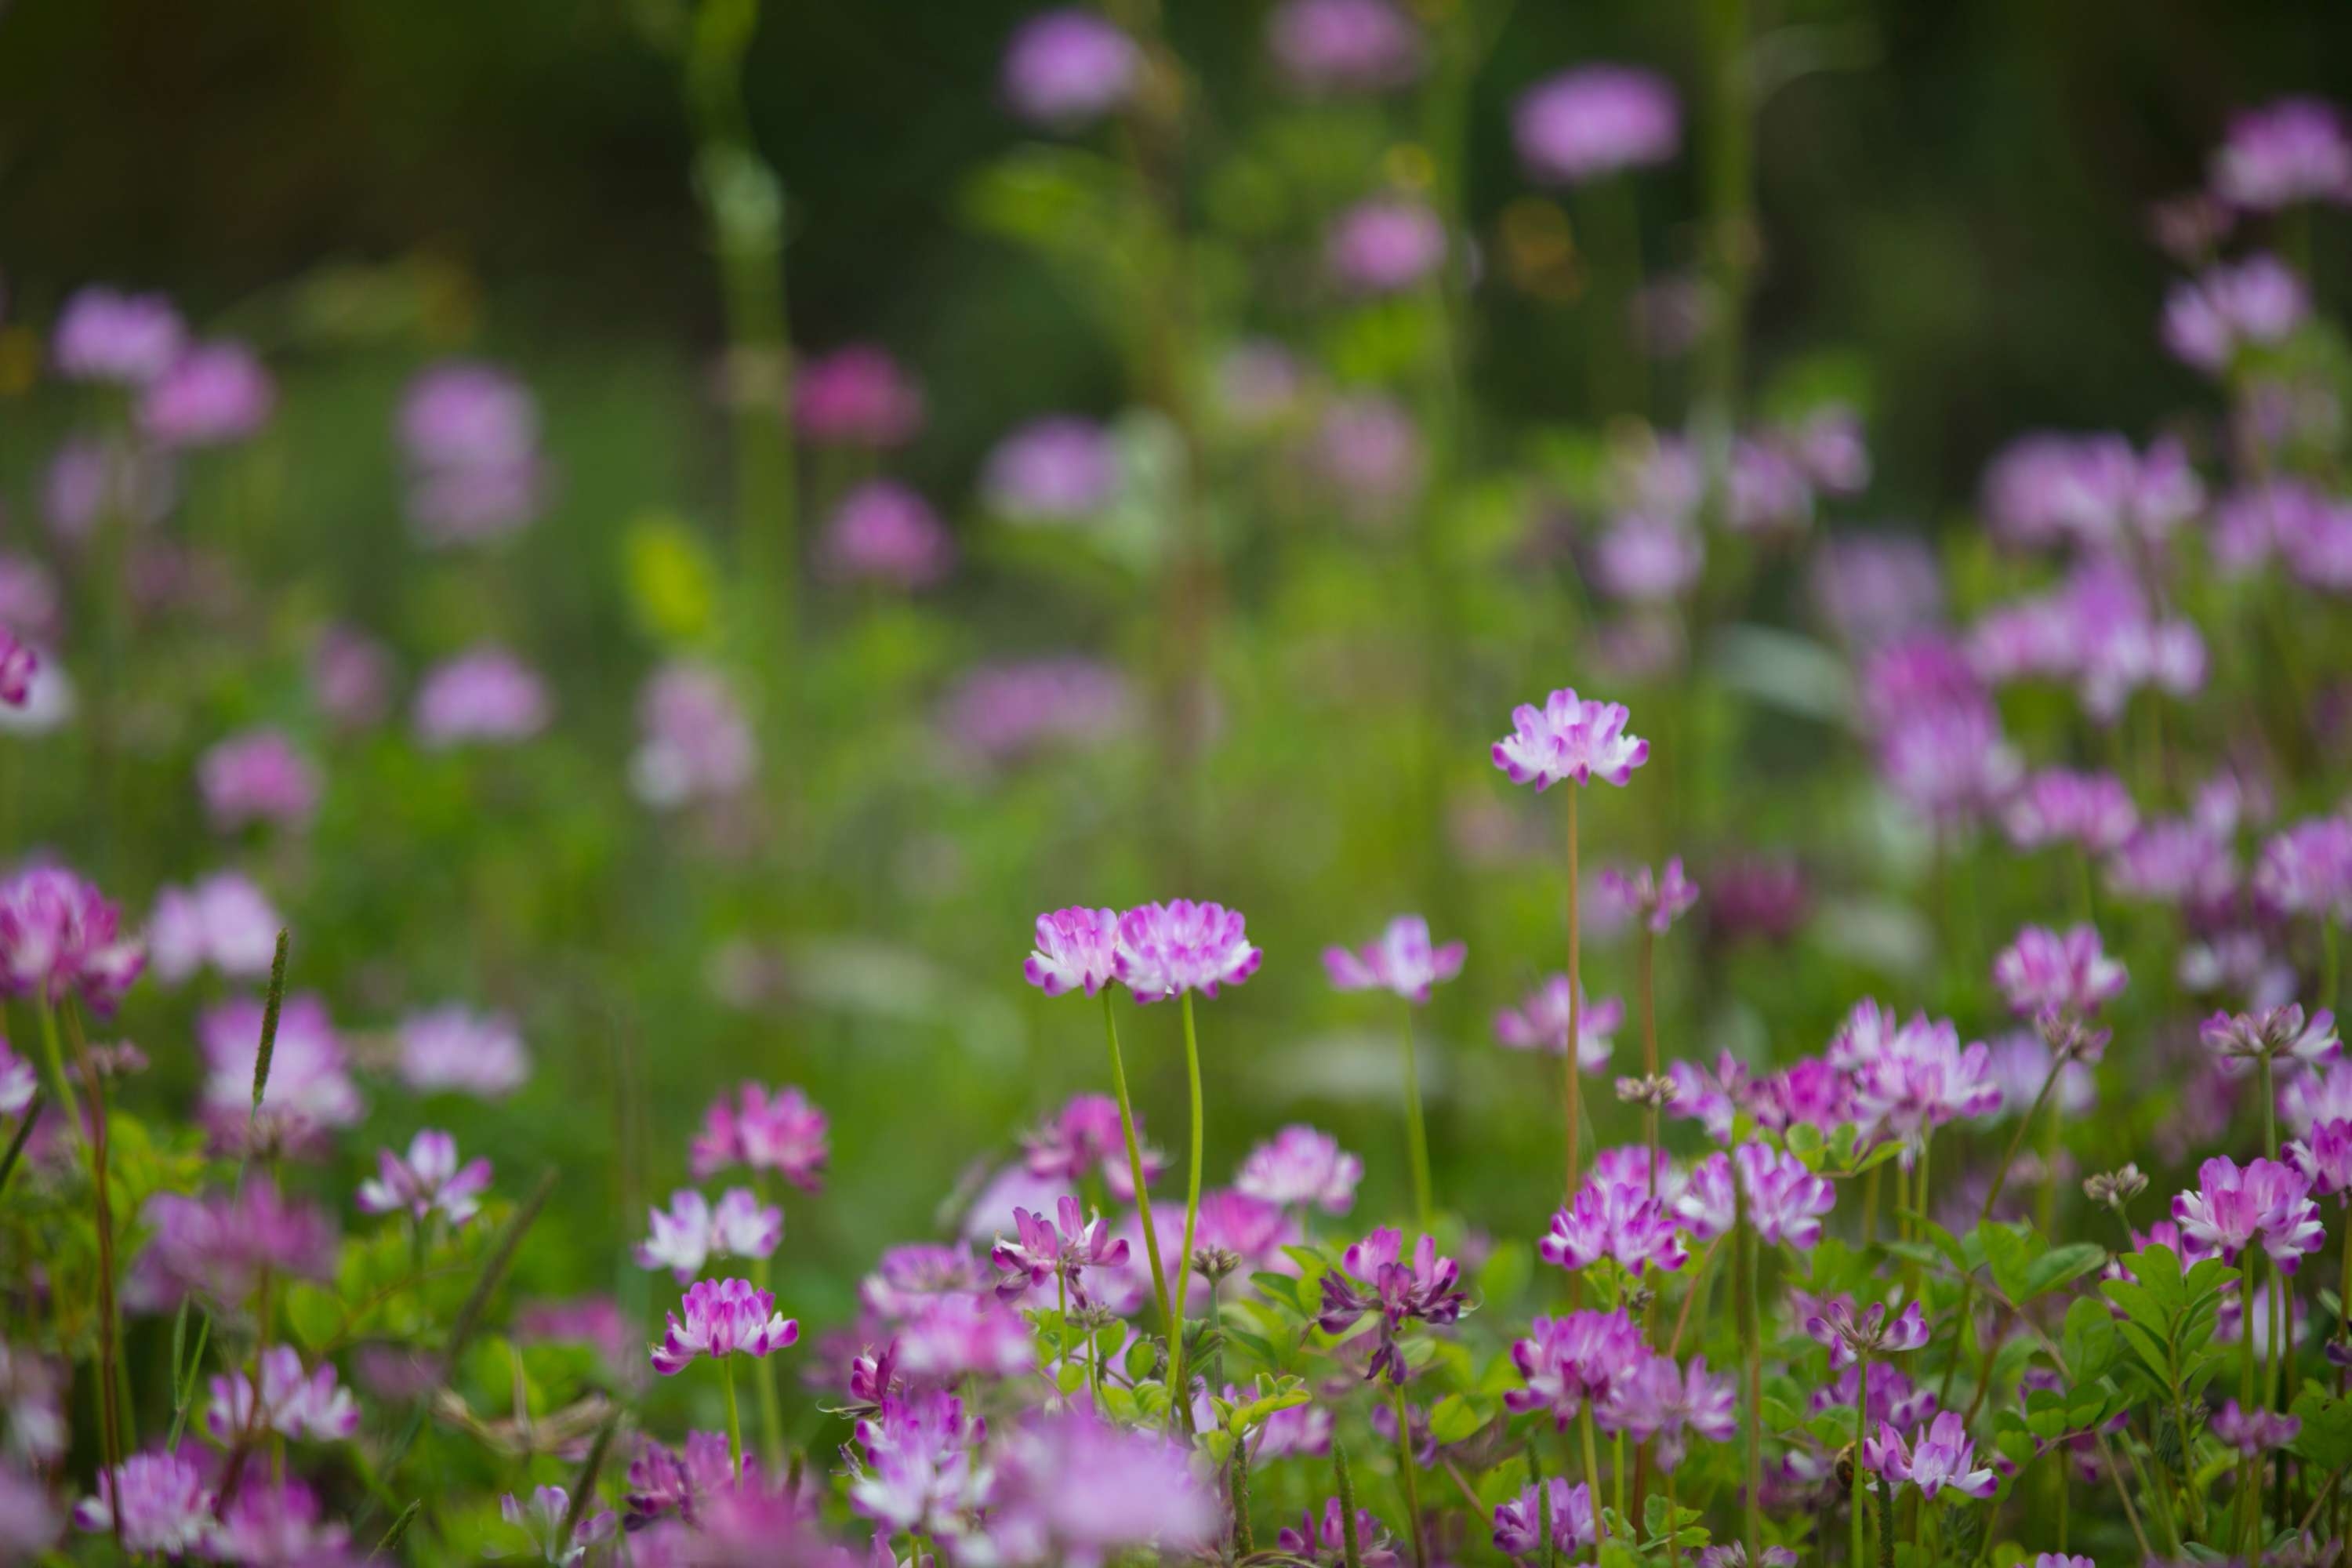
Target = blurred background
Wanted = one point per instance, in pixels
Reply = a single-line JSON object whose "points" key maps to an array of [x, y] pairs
{"points": [[1285, 691]]}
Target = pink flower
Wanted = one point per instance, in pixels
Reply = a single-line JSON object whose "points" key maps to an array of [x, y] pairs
{"points": [[1540, 1023], [1045, 1252], [1660, 898], [958, 1335], [2292, 151], [1371, 1278], [543, 1518], [160, 1501], [723, 1316], [1570, 739], [696, 740], [2323, 1158], [1660, 1402], [1076, 1490], [1595, 121], [692, 1231], [1167, 950], [1325, 1539], [1066, 67], [2256, 302], [2043, 971], [258, 776], [279, 1521], [1302, 1165], [998, 714], [1874, 1334], [223, 920], [57, 934], [1401, 962], [1384, 246], [1941, 1454], [2278, 1034], [781, 1130], [2230, 1208], [1918, 1076], [214, 394], [1076, 949], [1343, 46], [19, 663], [856, 396], [451, 1048], [1785, 1200], [1058, 470], [2059, 806], [1614, 1219], [2253, 1432], [293, 1403], [126, 339], [2307, 868], [429, 1181], [883, 532], [1566, 1361], [923, 1467], [486, 695], [1519, 1523], [469, 433], [1369, 455], [221, 1244], [1087, 1138], [309, 1093]]}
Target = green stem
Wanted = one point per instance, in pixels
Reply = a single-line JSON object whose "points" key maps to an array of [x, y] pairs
{"points": [[2248, 1501], [1416, 1132], [1861, 1425], [1644, 968], [56, 1063], [734, 1418], [1179, 1400], [1351, 1551], [1135, 1170], [2330, 970], [1571, 1069], [1592, 1473], [1674, 1525], [763, 1375], [1407, 1477], [1751, 1355]]}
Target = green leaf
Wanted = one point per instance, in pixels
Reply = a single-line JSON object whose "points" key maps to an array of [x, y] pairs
{"points": [[1506, 1273], [2063, 1266], [1455, 1419], [2326, 1437], [2012, 1251], [313, 1314]]}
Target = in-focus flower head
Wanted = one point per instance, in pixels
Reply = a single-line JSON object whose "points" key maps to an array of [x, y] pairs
{"points": [[1065, 68], [722, 1317], [1403, 962], [1572, 739], [2230, 1208], [1939, 1455], [1373, 1279], [429, 1181], [1301, 1165], [780, 1130], [1568, 1360], [1874, 1333], [1078, 949], [1043, 1252], [1167, 950], [1617, 1219], [1595, 121]]}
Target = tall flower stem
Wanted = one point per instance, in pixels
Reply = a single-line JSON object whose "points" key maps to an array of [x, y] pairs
{"points": [[1674, 1526], [109, 1353], [1592, 1472], [1643, 955], [763, 1377], [1351, 1551], [1416, 1130], [1861, 1431], [1571, 1068], [1179, 1397], [1407, 1477], [1135, 1169], [2248, 1499], [1751, 1357], [734, 1419], [56, 1064]]}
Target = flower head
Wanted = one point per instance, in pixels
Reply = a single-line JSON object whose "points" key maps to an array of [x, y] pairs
{"points": [[1595, 121], [224, 921], [1940, 1455], [1566, 1361], [961, 1334], [1302, 1165], [663, 1481], [1078, 949], [856, 396], [309, 1093], [1043, 1251], [2294, 150], [129, 340], [1074, 1490], [2059, 806], [159, 1501], [1570, 739], [59, 935], [1660, 898], [220, 1243], [1372, 1278], [452, 1048], [1384, 246], [1052, 471], [2324, 1157], [2279, 1034], [486, 695], [1874, 1334], [2308, 870], [1540, 1023], [1323, 1539], [2256, 1431], [1066, 67], [696, 741], [2230, 1208], [781, 1130], [469, 437], [2044, 972], [214, 394], [1402, 961], [1519, 1523], [1662, 1402], [428, 1182], [541, 1519], [1166, 950], [1343, 46], [293, 1403], [723, 1316], [2234, 306], [693, 1231], [884, 532], [1617, 1219]]}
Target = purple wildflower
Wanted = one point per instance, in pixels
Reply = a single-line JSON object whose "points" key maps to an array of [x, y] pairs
{"points": [[215, 394], [451, 1048], [1089, 1138], [223, 922], [1660, 899], [351, 677], [2278, 1033], [159, 1501], [1540, 1023], [1566, 1361], [856, 396], [2307, 868], [886, 533], [221, 1243], [923, 1467], [2230, 1208], [541, 1519], [1401, 962], [1059, 469], [294, 1404], [2044, 972], [696, 741], [1660, 1402], [663, 1481], [484, 695], [1343, 46], [2253, 1432], [1369, 455], [959, 1335], [309, 1092], [1371, 1279], [1646, 560], [2234, 306], [1519, 1523], [1618, 1220], [999, 713], [1065, 68], [428, 1182], [1785, 1201], [1044, 1251], [1301, 1165], [1384, 246], [1167, 950], [1872, 589], [2324, 1157], [258, 776], [469, 434], [781, 1130], [1874, 1334], [1572, 739], [1076, 949], [2059, 806], [129, 340], [694, 1230], [1323, 1539], [1072, 1489], [1940, 1455], [2294, 150], [1595, 121], [59, 935], [722, 1317]]}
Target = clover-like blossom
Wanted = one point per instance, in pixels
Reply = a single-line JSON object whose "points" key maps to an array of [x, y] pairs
{"points": [[923, 1467], [1518, 1523], [2175, 861], [223, 920], [541, 1519], [723, 1316], [1734, 1555], [1087, 1137], [2307, 868], [1660, 897], [2044, 971], [258, 776], [1570, 739], [1785, 1200], [452, 1048], [1323, 1538], [59, 935], [18, 1081], [1404, 961], [1919, 1077], [1343, 46], [2307, 1099], [1874, 1334], [159, 1501], [1594, 121], [279, 1521], [1893, 1395], [309, 1092], [2324, 1157], [1371, 1278], [1076, 949], [221, 1244], [2279, 1034], [1067, 66], [2230, 1208], [781, 1130], [105, 335], [1384, 245], [663, 1481], [1618, 1220], [2292, 150], [2231, 306], [694, 1230], [961, 1335], [1167, 950], [1939, 1455], [1662, 1402], [856, 395], [910, 1276], [2057, 805], [1540, 1023], [293, 1403], [1302, 1165], [1074, 1488], [2255, 1431], [484, 694], [1568, 1361], [429, 1181], [1044, 1251]]}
